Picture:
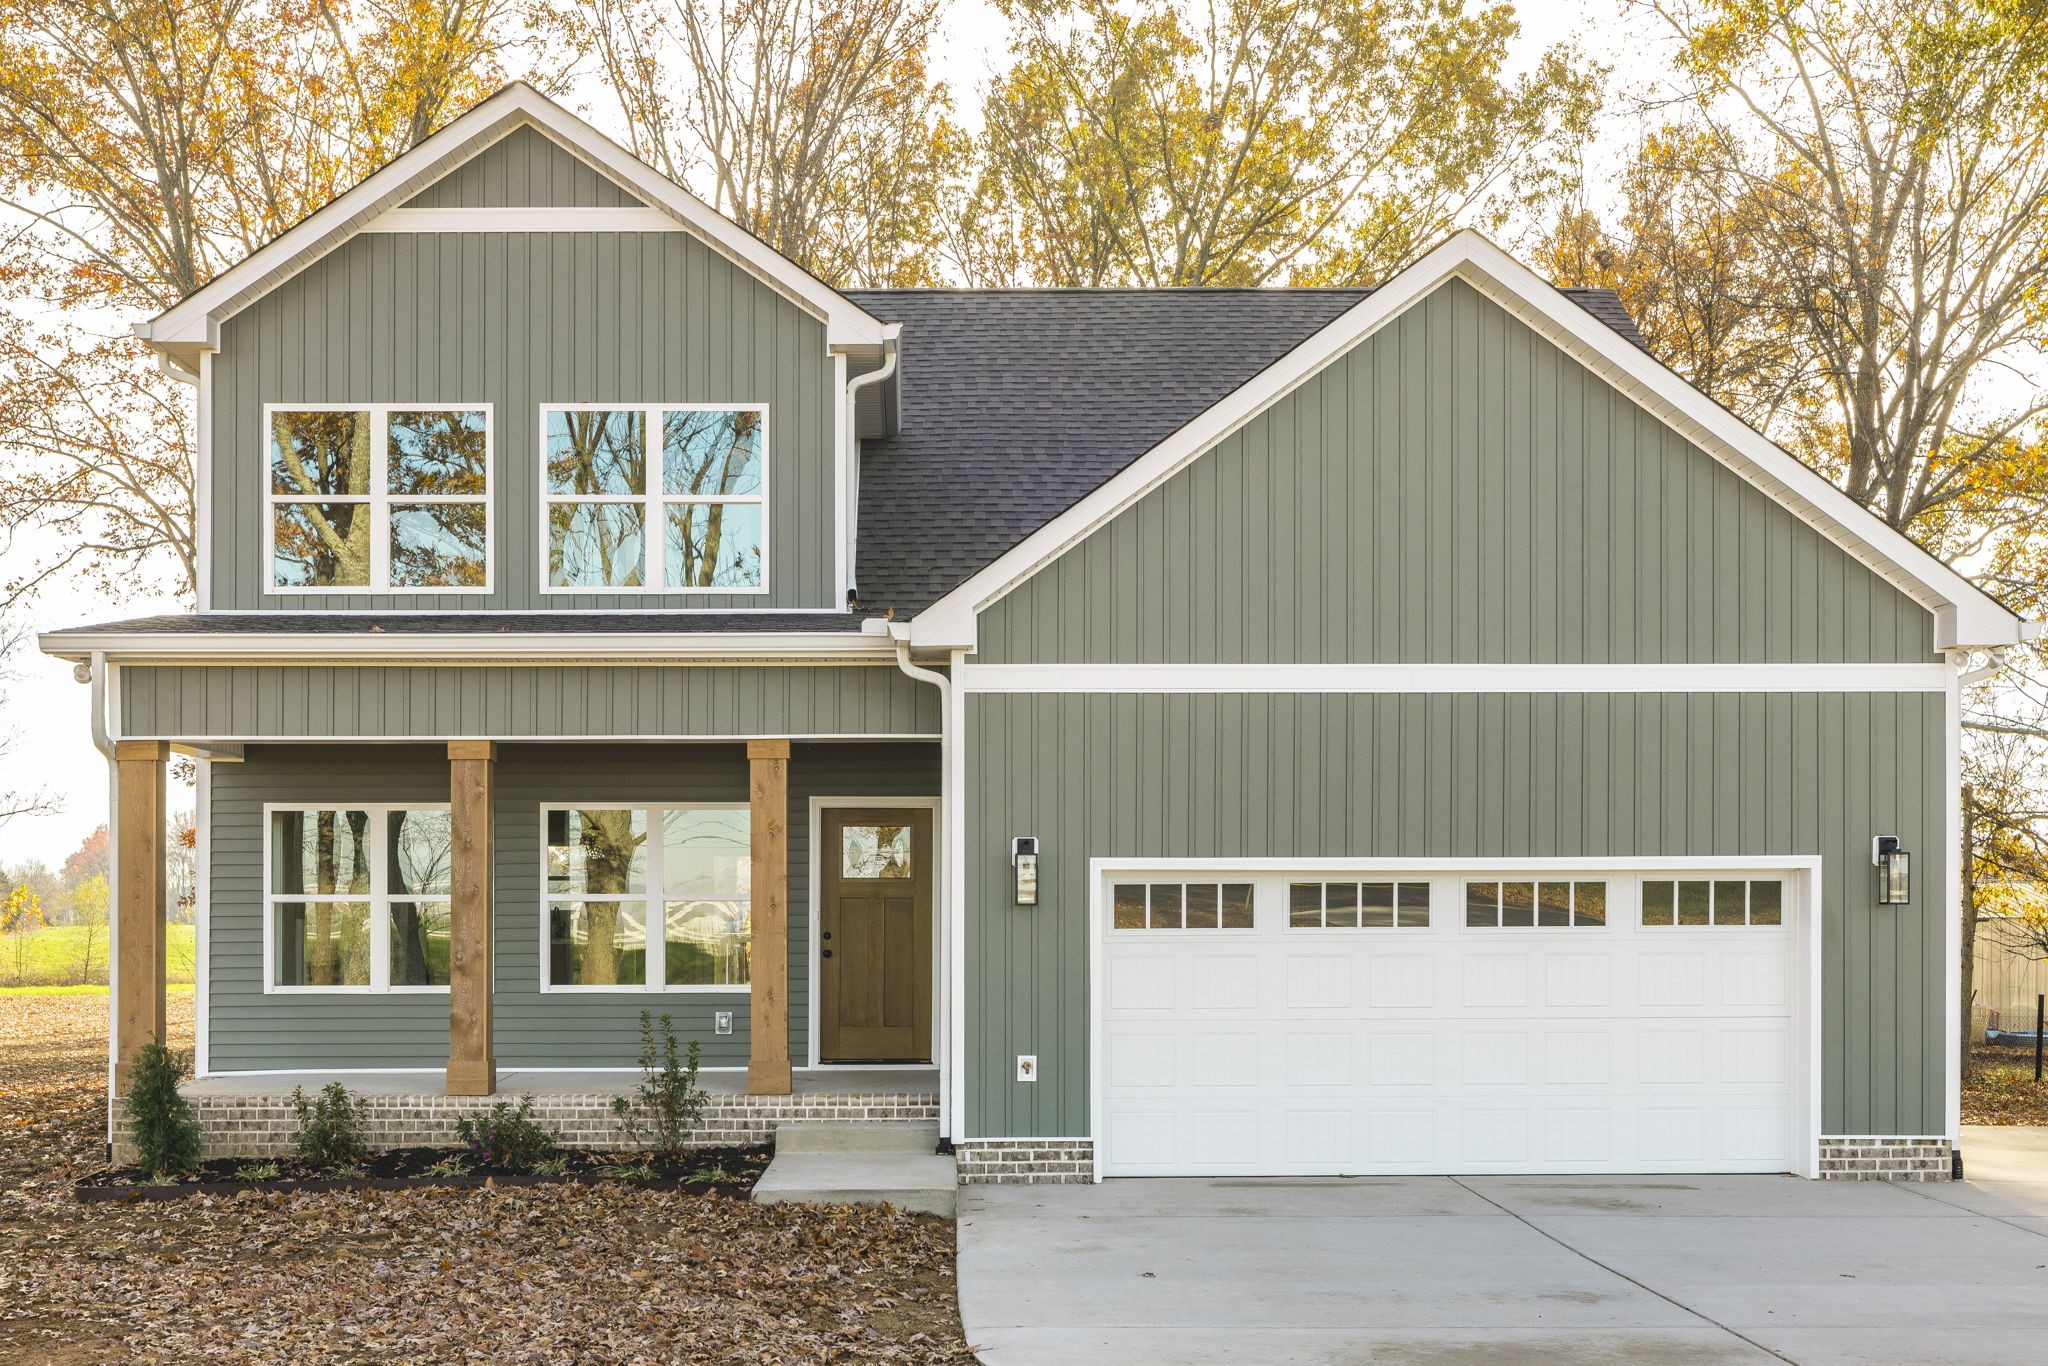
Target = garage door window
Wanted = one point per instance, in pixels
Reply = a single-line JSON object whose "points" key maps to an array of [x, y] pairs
{"points": [[1183, 906], [1358, 905], [1718, 902], [1534, 905]]}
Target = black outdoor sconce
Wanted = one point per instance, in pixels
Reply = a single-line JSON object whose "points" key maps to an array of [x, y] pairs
{"points": [[1894, 871], [1024, 858]]}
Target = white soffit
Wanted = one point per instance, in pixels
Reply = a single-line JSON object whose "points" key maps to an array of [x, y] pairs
{"points": [[1964, 615], [192, 325]]}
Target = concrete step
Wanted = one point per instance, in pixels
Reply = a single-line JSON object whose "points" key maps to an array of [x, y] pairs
{"points": [[923, 1183], [920, 1139]]}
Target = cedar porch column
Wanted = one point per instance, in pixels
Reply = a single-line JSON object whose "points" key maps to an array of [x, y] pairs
{"points": [[139, 933], [472, 1064], [768, 817]]}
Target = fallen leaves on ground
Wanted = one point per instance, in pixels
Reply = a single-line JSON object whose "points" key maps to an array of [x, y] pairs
{"points": [[2000, 1088], [589, 1274]]}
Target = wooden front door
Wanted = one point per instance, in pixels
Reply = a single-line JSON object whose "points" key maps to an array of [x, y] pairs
{"points": [[875, 935]]}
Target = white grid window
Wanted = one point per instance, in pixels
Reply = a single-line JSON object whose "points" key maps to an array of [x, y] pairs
{"points": [[647, 898], [1183, 905], [356, 898], [1540, 905], [378, 498], [1357, 905], [667, 498], [1714, 901]]}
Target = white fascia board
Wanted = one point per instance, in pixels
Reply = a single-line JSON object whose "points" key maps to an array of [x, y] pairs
{"points": [[195, 320], [1453, 678], [473, 647], [1964, 615]]}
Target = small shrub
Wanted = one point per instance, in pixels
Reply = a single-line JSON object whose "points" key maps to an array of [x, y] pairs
{"points": [[665, 1107], [452, 1165], [161, 1122], [552, 1166], [257, 1171], [331, 1128], [505, 1137]]}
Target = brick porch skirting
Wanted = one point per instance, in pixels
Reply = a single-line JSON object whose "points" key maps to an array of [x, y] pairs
{"points": [[1886, 1159], [260, 1126], [1026, 1161]]}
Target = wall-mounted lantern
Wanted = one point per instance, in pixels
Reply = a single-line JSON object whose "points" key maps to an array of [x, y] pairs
{"points": [[1894, 871], [1024, 858]]}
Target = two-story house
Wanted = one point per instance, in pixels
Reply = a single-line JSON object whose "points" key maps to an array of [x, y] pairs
{"points": [[1146, 731]]}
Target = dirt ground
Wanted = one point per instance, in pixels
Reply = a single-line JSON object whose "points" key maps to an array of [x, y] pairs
{"points": [[594, 1275], [1999, 1087]]}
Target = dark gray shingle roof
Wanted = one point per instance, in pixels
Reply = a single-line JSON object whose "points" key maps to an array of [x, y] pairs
{"points": [[1016, 404]]}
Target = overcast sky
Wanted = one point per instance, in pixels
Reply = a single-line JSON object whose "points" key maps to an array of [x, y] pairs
{"points": [[45, 712]]}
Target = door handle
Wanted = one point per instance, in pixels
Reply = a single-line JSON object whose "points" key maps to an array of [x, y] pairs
{"points": [[827, 934]]}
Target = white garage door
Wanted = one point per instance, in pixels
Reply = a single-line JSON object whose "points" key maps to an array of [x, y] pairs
{"points": [[1376, 1022]]}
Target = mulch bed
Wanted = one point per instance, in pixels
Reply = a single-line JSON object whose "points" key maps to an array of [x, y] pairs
{"points": [[609, 1274], [730, 1172]]}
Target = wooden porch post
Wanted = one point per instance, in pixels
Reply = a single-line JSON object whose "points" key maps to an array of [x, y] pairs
{"points": [[768, 815], [472, 1064], [139, 900]]}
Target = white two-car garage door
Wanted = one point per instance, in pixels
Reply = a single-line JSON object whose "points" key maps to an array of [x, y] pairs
{"points": [[1335, 1022]]}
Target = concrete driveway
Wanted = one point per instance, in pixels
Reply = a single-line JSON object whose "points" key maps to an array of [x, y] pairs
{"points": [[1443, 1270]]}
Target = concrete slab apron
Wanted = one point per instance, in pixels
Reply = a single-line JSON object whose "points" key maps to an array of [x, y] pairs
{"points": [[1440, 1270]]}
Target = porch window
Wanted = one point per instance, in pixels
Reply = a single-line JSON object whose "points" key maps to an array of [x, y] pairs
{"points": [[648, 898], [356, 898], [379, 498], [660, 498]]}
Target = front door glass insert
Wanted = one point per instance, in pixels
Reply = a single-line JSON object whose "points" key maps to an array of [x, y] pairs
{"points": [[871, 853]]}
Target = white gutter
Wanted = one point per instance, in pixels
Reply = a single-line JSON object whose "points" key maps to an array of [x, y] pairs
{"points": [[1990, 667], [891, 349], [952, 869], [443, 647]]}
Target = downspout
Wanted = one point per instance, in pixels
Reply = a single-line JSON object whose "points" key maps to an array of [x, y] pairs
{"points": [[949, 856], [891, 348], [95, 673], [1992, 666]]}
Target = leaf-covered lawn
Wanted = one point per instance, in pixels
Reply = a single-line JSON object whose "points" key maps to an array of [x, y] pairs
{"points": [[2000, 1088], [540, 1274]]}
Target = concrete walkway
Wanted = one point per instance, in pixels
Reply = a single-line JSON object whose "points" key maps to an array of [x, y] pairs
{"points": [[1495, 1270]]}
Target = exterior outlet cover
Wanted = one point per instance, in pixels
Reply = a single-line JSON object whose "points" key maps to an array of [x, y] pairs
{"points": [[1027, 1067], [721, 1022]]}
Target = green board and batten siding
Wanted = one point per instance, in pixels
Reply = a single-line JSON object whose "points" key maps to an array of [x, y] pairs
{"points": [[519, 320], [525, 169], [251, 1031], [312, 701], [1455, 489]]}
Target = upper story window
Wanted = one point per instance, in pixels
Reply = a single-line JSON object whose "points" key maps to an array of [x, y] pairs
{"points": [[379, 498], [655, 498]]}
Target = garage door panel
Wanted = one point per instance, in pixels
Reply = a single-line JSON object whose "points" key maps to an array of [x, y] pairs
{"points": [[1608, 1046]]}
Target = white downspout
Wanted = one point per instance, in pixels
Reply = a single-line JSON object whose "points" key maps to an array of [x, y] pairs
{"points": [[891, 348], [950, 805], [95, 673]]}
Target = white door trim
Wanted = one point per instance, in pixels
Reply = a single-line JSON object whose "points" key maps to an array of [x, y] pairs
{"points": [[1805, 1002], [818, 807]]}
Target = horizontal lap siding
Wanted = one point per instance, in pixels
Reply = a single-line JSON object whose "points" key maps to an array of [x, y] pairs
{"points": [[524, 169], [1455, 776], [518, 320], [224, 701], [251, 1031], [1455, 490]]}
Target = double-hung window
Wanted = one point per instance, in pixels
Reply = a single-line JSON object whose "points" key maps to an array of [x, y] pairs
{"points": [[647, 898], [379, 497], [655, 498], [356, 898]]}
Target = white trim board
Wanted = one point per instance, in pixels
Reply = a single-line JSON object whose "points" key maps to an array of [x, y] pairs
{"points": [[1964, 615], [1450, 678], [451, 647], [192, 325], [521, 218]]}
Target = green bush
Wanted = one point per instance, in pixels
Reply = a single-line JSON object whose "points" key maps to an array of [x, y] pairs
{"points": [[331, 1127], [161, 1122], [665, 1107], [505, 1137]]}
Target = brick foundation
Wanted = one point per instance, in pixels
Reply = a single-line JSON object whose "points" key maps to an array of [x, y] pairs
{"points": [[1886, 1159], [260, 1126], [1026, 1162]]}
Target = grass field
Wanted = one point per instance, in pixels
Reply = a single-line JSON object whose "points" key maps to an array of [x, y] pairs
{"points": [[56, 956]]}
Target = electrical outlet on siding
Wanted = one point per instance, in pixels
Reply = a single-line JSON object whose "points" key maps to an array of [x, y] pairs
{"points": [[1027, 1067], [721, 1022]]}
